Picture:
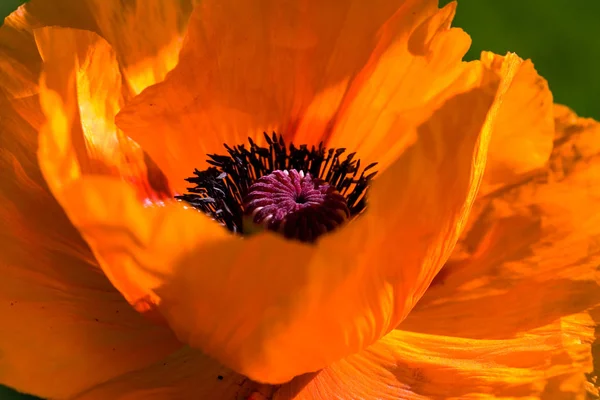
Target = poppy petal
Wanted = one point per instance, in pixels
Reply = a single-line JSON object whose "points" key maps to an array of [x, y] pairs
{"points": [[219, 293], [531, 255], [183, 375], [536, 238], [18, 89], [249, 303], [248, 68], [522, 137], [19, 59], [84, 162], [145, 34], [416, 60], [93, 90], [395, 250], [20, 62], [547, 363], [60, 316]]}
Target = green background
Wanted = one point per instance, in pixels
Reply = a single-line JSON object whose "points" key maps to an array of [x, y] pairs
{"points": [[561, 37]]}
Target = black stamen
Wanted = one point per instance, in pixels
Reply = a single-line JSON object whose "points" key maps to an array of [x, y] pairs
{"points": [[220, 190]]}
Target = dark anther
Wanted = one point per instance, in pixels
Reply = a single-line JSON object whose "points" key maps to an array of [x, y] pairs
{"points": [[224, 190]]}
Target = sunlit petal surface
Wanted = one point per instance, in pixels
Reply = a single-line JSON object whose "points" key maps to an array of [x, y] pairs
{"points": [[65, 328], [259, 303], [473, 272], [515, 315]]}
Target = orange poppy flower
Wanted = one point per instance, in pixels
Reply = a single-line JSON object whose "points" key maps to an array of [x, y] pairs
{"points": [[466, 268]]}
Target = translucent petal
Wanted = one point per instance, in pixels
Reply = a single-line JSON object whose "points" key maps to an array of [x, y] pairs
{"points": [[60, 316], [55, 302], [246, 69], [83, 68], [257, 303], [522, 139], [183, 375], [544, 364], [531, 255], [146, 34], [416, 61], [250, 303]]}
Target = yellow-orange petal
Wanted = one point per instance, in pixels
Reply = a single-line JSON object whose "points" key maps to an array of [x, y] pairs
{"points": [[546, 363], [145, 54], [248, 68], [258, 303], [19, 60], [522, 138], [593, 385], [60, 315], [252, 324], [83, 68], [416, 60], [146, 34], [187, 374], [537, 238], [531, 255]]}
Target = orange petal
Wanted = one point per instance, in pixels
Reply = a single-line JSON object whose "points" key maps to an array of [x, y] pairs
{"points": [[593, 386], [187, 374], [245, 69], [250, 303], [145, 58], [83, 68], [537, 238], [417, 59], [547, 363], [213, 289], [522, 138], [146, 34], [532, 252], [55, 303], [64, 327], [79, 147], [19, 59]]}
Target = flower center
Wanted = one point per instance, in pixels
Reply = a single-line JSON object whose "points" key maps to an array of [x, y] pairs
{"points": [[296, 205], [298, 191]]}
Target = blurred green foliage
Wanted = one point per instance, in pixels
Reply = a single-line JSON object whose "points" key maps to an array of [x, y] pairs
{"points": [[561, 37], [7, 6]]}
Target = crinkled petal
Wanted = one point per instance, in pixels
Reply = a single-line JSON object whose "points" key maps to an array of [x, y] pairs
{"points": [[545, 364], [61, 316], [19, 59], [248, 68], [146, 36], [522, 138], [147, 63], [64, 326], [186, 374], [83, 68], [531, 255], [416, 61], [258, 303], [535, 240]]}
